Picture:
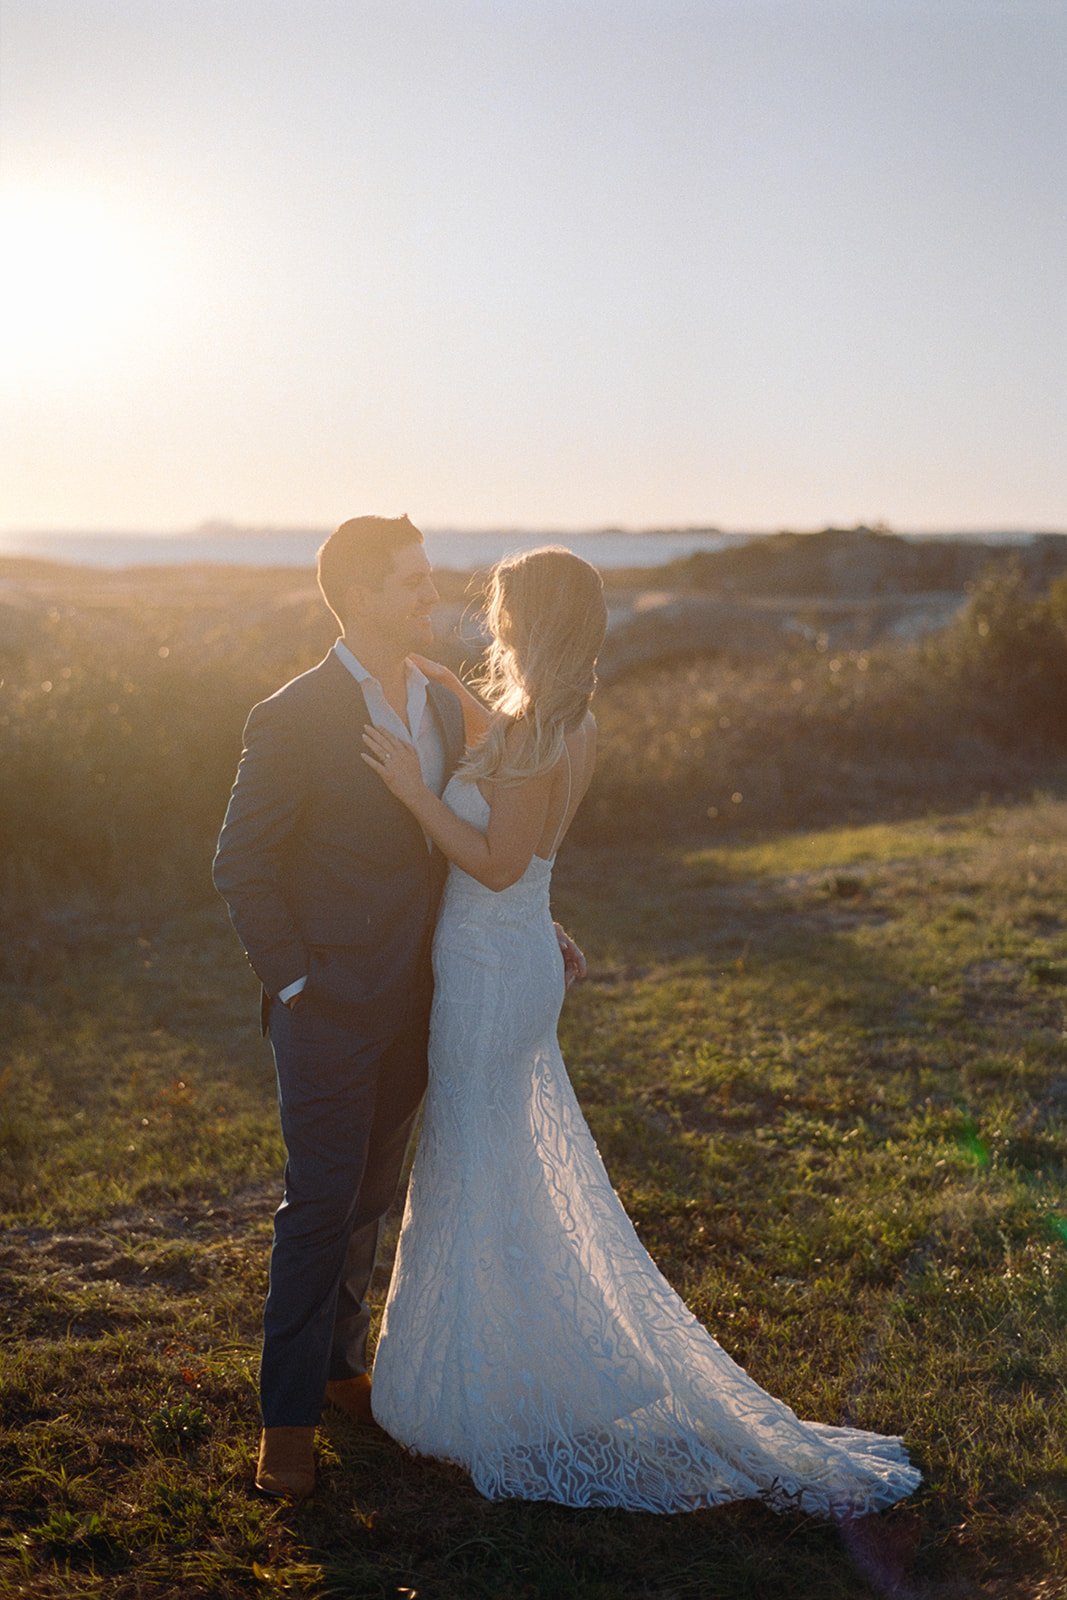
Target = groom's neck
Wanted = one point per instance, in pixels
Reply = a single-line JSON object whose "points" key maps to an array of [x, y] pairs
{"points": [[382, 658]]}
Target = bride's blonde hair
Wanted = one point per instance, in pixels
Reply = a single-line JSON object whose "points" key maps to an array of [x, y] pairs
{"points": [[546, 617]]}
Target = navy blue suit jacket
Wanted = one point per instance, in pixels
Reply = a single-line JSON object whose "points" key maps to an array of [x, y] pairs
{"points": [[325, 873]]}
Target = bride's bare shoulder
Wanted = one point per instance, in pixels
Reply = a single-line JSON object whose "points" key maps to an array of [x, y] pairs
{"points": [[581, 744], [582, 737]]}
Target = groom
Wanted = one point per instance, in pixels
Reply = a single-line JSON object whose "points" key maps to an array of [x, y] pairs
{"points": [[333, 888]]}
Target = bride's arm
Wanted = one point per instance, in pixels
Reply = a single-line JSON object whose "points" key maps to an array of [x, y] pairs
{"points": [[497, 858], [475, 714]]}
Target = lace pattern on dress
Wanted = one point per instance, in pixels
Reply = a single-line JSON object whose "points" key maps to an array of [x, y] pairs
{"points": [[528, 1336]]}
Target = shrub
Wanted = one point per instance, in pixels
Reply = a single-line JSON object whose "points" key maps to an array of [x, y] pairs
{"points": [[1005, 658], [121, 718], [804, 739]]}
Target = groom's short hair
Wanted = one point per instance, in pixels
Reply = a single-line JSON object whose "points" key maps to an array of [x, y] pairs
{"points": [[361, 551]]}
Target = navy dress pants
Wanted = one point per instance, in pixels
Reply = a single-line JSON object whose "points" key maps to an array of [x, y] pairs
{"points": [[347, 1110]]}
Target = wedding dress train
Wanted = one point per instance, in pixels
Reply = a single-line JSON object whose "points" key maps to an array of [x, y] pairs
{"points": [[528, 1336]]}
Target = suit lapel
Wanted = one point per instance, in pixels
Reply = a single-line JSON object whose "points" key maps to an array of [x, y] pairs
{"points": [[348, 710], [352, 717]]}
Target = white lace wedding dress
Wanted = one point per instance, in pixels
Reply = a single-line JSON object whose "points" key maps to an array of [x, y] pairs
{"points": [[528, 1336]]}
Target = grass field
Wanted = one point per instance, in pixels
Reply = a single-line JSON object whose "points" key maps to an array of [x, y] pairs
{"points": [[828, 1073]]}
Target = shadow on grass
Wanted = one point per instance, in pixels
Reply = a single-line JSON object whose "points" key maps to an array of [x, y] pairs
{"points": [[745, 1009], [468, 1547]]}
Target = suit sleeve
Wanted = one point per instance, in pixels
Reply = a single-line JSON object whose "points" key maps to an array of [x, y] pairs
{"points": [[263, 812]]}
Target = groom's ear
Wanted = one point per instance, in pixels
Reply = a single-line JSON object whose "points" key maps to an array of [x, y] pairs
{"points": [[356, 599]]}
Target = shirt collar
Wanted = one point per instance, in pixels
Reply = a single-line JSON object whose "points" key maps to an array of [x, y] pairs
{"points": [[347, 659], [417, 681], [415, 676]]}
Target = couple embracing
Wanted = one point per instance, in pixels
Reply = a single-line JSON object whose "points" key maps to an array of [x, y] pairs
{"points": [[386, 857]]}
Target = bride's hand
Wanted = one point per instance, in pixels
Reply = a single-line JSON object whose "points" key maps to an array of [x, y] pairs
{"points": [[433, 669], [574, 963], [395, 761]]}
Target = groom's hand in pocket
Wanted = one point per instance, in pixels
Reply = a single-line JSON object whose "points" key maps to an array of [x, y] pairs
{"points": [[293, 993]]}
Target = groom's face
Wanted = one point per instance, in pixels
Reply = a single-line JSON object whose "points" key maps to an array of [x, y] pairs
{"points": [[399, 611]]}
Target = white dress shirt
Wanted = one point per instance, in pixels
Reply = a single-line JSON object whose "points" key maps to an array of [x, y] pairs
{"points": [[422, 725], [422, 732]]}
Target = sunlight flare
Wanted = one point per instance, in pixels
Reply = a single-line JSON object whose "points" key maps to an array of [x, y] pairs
{"points": [[81, 284]]}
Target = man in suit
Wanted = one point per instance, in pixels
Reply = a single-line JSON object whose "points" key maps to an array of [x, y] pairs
{"points": [[333, 888]]}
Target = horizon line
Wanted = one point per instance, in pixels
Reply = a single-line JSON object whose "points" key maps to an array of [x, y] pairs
{"points": [[619, 530]]}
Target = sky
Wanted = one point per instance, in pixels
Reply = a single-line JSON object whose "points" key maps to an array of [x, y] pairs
{"points": [[541, 263]]}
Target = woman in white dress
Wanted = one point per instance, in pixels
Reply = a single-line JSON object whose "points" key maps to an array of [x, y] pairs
{"points": [[528, 1336]]}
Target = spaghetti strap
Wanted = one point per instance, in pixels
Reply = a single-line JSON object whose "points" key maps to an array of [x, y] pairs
{"points": [[566, 806]]}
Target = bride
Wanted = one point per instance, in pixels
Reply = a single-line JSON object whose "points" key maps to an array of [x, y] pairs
{"points": [[528, 1336]]}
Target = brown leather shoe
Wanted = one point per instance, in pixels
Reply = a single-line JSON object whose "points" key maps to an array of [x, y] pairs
{"points": [[286, 1469], [352, 1396]]}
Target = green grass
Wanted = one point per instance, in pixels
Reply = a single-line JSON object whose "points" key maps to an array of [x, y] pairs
{"points": [[828, 1073]]}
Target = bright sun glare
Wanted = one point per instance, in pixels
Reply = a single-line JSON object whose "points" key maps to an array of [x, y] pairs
{"points": [[79, 283]]}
